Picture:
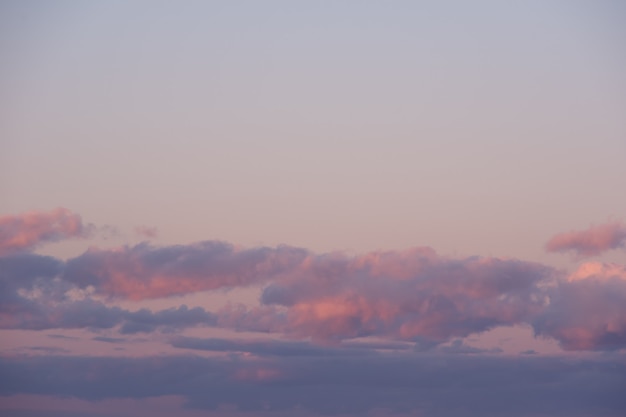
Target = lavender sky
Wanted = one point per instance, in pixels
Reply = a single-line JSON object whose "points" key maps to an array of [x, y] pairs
{"points": [[290, 208]]}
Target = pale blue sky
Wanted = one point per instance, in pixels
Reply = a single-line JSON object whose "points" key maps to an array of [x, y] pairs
{"points": [[475, 128]]}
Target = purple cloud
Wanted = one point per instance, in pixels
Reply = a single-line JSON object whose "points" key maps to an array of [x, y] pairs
{"points": [[588, 311], [144, 272]]}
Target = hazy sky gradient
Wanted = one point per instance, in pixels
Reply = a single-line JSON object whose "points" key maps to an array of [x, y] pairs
{"points": [[448, 179], [472, 128]]}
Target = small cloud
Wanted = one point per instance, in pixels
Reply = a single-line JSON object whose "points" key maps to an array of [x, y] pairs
{"points": [[457, 346], [46, 349], [147, 232], [107, 232], [590, 242], [109, 339], [61, 336]]}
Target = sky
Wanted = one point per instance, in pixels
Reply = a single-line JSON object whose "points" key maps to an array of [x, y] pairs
{"points": [[299, 208]]}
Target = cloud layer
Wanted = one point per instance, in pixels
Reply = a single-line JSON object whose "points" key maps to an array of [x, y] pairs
{"points": [[381, 333], [417, 384], [414, 295]]}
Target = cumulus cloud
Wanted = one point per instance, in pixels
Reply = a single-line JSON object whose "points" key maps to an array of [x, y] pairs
{"points": [[143, 271], [588, 310], [24, 232], [590, 242], [34, 296], [412, 295]]}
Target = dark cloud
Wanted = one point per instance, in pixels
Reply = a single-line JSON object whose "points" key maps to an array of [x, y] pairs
{"points": [[457, 346], [424, 384], [146, 321], [61, 336], [109, 339], [50, 350]]}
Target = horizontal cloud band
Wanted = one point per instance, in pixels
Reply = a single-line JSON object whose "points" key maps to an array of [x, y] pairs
{"points": [[413, 295]]}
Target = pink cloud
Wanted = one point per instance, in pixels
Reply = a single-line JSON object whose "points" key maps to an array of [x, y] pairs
{"points": [[590, 242], [412, 295], [409, 295], [26, 231], [147, 232], [588, 310], [144, 272]]}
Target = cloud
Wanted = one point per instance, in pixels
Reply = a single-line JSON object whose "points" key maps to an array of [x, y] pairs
{"points": [[146, 321], [411, 295], [109, 339], [94, 315], [147, 232], [268, 347], [588, 310], [62, 336], [590, 242], [144, 272], [458, 347], [33, 296], [414, 295], [24, 232], [419, 384]]}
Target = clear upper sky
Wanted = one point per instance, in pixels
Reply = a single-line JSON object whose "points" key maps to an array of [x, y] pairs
{"points": [[473, 127]]}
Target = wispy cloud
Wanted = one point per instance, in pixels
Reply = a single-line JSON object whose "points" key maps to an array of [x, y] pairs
{"points": [[147, 232]]}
